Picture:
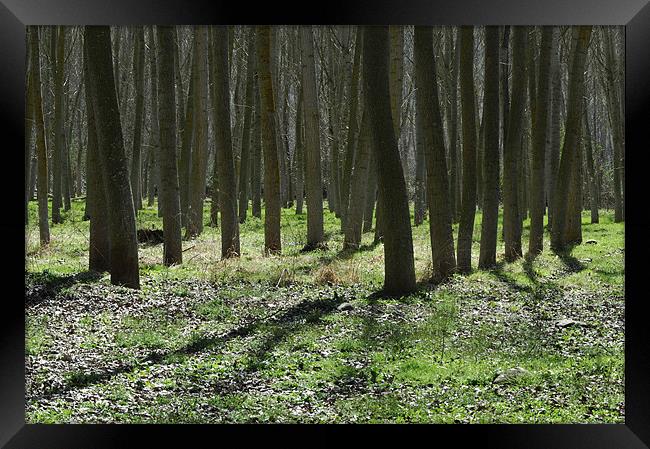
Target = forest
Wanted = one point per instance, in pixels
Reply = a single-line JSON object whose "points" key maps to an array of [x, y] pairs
{"points": [[324, 224]]}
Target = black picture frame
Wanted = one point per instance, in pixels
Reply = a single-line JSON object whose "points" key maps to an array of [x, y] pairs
{"points": [[634, 14]]}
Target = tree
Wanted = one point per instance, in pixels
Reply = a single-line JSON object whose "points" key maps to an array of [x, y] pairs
{"points": [[540, 130], [123, 240], [560, 232], [224, 159], [58, 45], [41, 143], [315, 234], [136, 158], [358, 179], [512, 150], [438, 198], [398, 244], [592, 180], [272, 243], [299, 165], [199, 157], [468, 115], [187, 137], [487, 255], [169, 189], [246, 141]]}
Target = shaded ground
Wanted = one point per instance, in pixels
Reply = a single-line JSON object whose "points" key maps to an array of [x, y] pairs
{"points": [[262, 340]]}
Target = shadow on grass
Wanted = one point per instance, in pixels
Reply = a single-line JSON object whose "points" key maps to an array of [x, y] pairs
{"points": [[45, 286], [285, 324]]}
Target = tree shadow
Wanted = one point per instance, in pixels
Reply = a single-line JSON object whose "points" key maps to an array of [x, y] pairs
{"points": [[45, 286], [285, 324], [572, 264]]}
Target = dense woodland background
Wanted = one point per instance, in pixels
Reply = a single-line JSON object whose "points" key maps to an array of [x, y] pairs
{"points": [[324, 224], [450, 119]]}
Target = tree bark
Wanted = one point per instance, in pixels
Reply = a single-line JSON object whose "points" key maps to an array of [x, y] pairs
{"points": [[468, 200], [169, 190], [123, 240], [398, 243], [438, 198], [272, 242], [136, 158], [225, 172], [540, 130], [244, 163], [489, 223]]}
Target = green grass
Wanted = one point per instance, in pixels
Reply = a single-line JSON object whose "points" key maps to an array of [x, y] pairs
{"points": [[258, 339]]}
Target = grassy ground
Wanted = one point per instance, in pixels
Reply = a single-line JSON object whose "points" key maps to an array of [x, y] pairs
{"points": [[260, 339]]}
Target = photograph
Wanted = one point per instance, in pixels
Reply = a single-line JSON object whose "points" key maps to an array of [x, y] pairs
{"points": [[325, 224]]}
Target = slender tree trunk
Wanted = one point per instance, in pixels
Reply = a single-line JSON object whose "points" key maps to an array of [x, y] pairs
{"points": [[353, 128], [315, 235], [489, 223], [244, 164], [185, 160], [299, 165], [58, 45], [398, 242], [591, 172], [355, 209], [468, 205], [570, 157], [199, 158], [555, 119], [41, 144], [256, 149], [123, 240], [512, 152], [224, 157], [438, 199], [371, 193], [540, 129], [136, 158], [272, 242], [420, 171], [169, 190]]}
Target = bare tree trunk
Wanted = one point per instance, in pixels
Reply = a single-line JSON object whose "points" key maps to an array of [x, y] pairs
{"points": [[540, 130], [512, 151], [438, 198], [199, 158], [355, 209], [398, 242], [272, 242], [169, 190], [315, 236], [256, 148], [489, 223], [570, 157], [58, 45], [468, 205], [371, 193], [299, 165], [225, 172], [136, 158], [591, 172], [123, 240], [244, 163], [554, 148], [41, 144], [187, 137]]}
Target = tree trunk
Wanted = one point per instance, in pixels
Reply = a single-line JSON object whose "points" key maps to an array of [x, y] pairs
{"points": [[468, 204], [123, 240], [299, 165], [555, 120], [199, 158], [225, 172], [398, 243], [540, 129], [58, 44], [41, 144], [438, 198], [187, 137], [591, 172], [272, 242], [315, 235], [489, 223], [355, 209], [512, 151], [136, 158], [169, 190], [244, 163], [570, 157], [256, 149]]}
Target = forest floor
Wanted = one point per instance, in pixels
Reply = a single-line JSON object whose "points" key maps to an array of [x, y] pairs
{"points": [[263, 339]]}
